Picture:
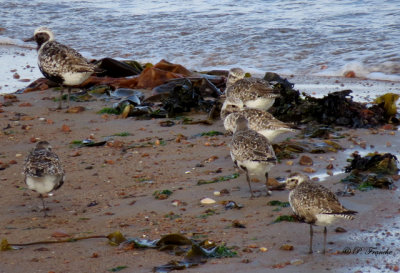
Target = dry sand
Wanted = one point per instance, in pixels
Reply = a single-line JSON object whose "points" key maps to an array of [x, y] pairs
{"points": [[122, 186]]}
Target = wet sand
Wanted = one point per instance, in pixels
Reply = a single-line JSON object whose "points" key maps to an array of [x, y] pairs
{"points": [[108, 189]]}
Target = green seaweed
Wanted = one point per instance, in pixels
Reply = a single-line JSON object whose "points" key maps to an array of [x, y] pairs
{"points": [[117, 269], [285, 218], [108, 110], [218, 179], [223, 252], [164, 194], [278, 203], [122, 134], [211, 133]]}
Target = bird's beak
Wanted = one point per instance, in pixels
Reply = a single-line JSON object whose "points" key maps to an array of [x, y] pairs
{"points": [[29, 39]]}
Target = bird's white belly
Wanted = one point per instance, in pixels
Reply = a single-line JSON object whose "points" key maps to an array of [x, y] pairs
{"points": [[260, 103], [75, 78], [277, 135], [43, 184], [325, 219], [257, 169]]}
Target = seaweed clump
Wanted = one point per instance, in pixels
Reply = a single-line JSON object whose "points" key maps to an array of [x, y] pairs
{"points": [[372, 171], [336, 108]]}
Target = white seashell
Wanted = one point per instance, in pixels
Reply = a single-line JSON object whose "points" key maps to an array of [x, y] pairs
{"points": [[207, 201]]}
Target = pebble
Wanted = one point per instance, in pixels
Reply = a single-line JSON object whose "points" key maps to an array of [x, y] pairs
{"points": [[217, 193], [263, 249], [207, 201], [296, 262]]}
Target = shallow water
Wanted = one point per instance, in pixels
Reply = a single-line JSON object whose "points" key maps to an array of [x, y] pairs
{"points": [[290, 37]]}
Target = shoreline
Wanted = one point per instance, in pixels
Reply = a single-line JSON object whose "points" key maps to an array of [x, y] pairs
{"points": [[23, 70]]}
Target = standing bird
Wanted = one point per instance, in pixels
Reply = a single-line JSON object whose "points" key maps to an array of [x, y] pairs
{"points": [[43, 170], [262, 122], [60, 63], [251, 152], [315, 204], [248, 92]]}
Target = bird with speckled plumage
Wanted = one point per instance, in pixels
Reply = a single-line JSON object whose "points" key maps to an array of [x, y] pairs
{"points": [[315, 204], [248, 92], [251, 152], [60, 63], [43, 170], [262, 122]]}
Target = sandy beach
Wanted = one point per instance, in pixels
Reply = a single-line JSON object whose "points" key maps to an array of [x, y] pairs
{"points": [[110, 188]]}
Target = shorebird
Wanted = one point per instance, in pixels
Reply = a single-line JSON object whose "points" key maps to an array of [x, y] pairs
{"points": [[263, 122], [251, 152], [248, 92], [60, 63], [43, 170], [314, 204]]}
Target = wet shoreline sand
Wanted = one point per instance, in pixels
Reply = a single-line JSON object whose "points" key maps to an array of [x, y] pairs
{"points": [[108, 188]]}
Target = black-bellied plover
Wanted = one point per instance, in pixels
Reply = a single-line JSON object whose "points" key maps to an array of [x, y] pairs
{"points": [[315, 204], [251, 152], [264, 123], [248, 91], [60, 63], [43, 170]]}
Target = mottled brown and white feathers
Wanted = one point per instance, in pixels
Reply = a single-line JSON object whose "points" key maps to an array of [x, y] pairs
{"points": [[248, 91], [58, 62], [314, 203], [251, 151], [43, 170], [262, 122]]}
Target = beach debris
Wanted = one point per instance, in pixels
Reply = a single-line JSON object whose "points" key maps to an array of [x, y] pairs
{"points": [[278, 203], [207, 201], [336, 108], [231, 205], [87, 143], [286, 247], [285, 218], [162, 194], [389, 103], [285, 149], [374, 162], [116, 69], [218, 179], [117, 268], [375, 170]]}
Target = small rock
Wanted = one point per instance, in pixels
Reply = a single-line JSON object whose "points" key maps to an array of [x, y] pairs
{"points": [[76, 109], [286, 247], [350, 74], [16, 76], [65, 128], [263, 249], [309, 170], [330, 166], [340, 230], [217, 193], [306, 161]]}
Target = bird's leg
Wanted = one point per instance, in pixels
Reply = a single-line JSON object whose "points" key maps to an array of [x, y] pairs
{"points": [[61, 96], [325, 233], [248, 181], [311, 235], [266, 184], [44, 207], [69, 94]]}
